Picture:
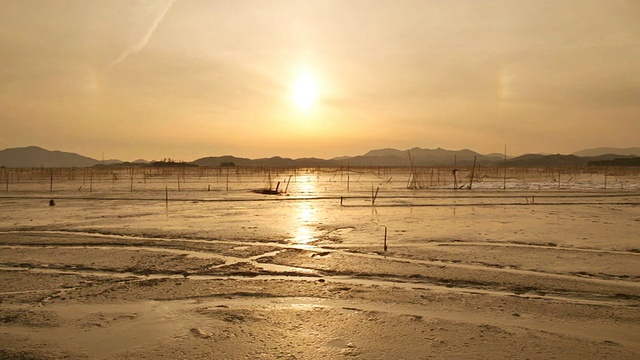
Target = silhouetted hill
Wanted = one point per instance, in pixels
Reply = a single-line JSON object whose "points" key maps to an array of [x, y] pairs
{"points": [[421, 157], [376, 160], [558, 160], [33, 156], [607, 150], [219, 160], [381, 157], [546, 160], [627, 161], [276, 161]]}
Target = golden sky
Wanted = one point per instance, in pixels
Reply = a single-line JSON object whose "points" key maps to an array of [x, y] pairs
{"points": [[192, 78]]}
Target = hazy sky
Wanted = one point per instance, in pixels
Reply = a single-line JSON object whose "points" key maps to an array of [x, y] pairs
{"points": [[192, 78]]}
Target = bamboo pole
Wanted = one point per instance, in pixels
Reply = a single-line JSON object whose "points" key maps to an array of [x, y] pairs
{"points": [[455, 177], [504, 185], [473, 171], [385, 238]]}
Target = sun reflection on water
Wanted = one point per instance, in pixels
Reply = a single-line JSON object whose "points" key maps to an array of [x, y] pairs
{"points": [[307, 185], [304, 218], [304, 215]]}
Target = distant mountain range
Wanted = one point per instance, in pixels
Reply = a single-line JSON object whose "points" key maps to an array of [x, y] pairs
{"points": [[33, 156], [607, 150]]}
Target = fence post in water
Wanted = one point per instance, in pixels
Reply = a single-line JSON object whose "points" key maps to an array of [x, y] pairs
{"points": [[473, 171], [374, 196], [385, 238], [166, 197], [504, 185], [559, 172], [287, 187]]}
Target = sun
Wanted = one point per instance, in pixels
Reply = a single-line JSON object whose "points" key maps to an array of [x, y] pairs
{"points": [[304, 92]]}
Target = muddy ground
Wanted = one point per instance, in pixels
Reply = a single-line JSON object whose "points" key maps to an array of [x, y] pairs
{"points": [[486, 275]]}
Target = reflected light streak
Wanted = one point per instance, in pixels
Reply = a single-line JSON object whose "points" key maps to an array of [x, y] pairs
{"points": [[307, 185], [304, 215]]}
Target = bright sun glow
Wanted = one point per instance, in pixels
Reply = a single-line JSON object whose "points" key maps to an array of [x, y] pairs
{"points": [[305, 92]]}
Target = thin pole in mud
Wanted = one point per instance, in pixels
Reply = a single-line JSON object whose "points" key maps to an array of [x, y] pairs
{"points": [[341, 199], [166, 197], [504, 185], [473, 171], [227, 178], [178, 176], [347, 182], [51, 181], [385, 239], [455, 178], [559, 172], [287, 187], [374, 196]]}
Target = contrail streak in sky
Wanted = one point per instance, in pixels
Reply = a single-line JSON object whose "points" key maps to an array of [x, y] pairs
{"points": [[136, 48]]}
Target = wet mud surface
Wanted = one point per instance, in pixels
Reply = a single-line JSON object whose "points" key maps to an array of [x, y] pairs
{"points": [[471, 275]]}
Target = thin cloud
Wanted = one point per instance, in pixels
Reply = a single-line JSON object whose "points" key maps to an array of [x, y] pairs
{"points": [[137, 47]]}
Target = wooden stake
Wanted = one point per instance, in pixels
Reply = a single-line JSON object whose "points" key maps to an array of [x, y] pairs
{"points": [[559, 178], [473, 171], [385, 238], [287, 187], [455, 177], [51, 182], [166, 197], [504, 186]]}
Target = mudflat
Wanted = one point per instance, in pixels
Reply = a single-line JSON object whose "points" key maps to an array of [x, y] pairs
{"points": [[232, 274]]}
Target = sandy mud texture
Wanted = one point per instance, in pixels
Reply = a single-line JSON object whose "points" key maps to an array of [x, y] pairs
{"points": [[487, 275]]}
